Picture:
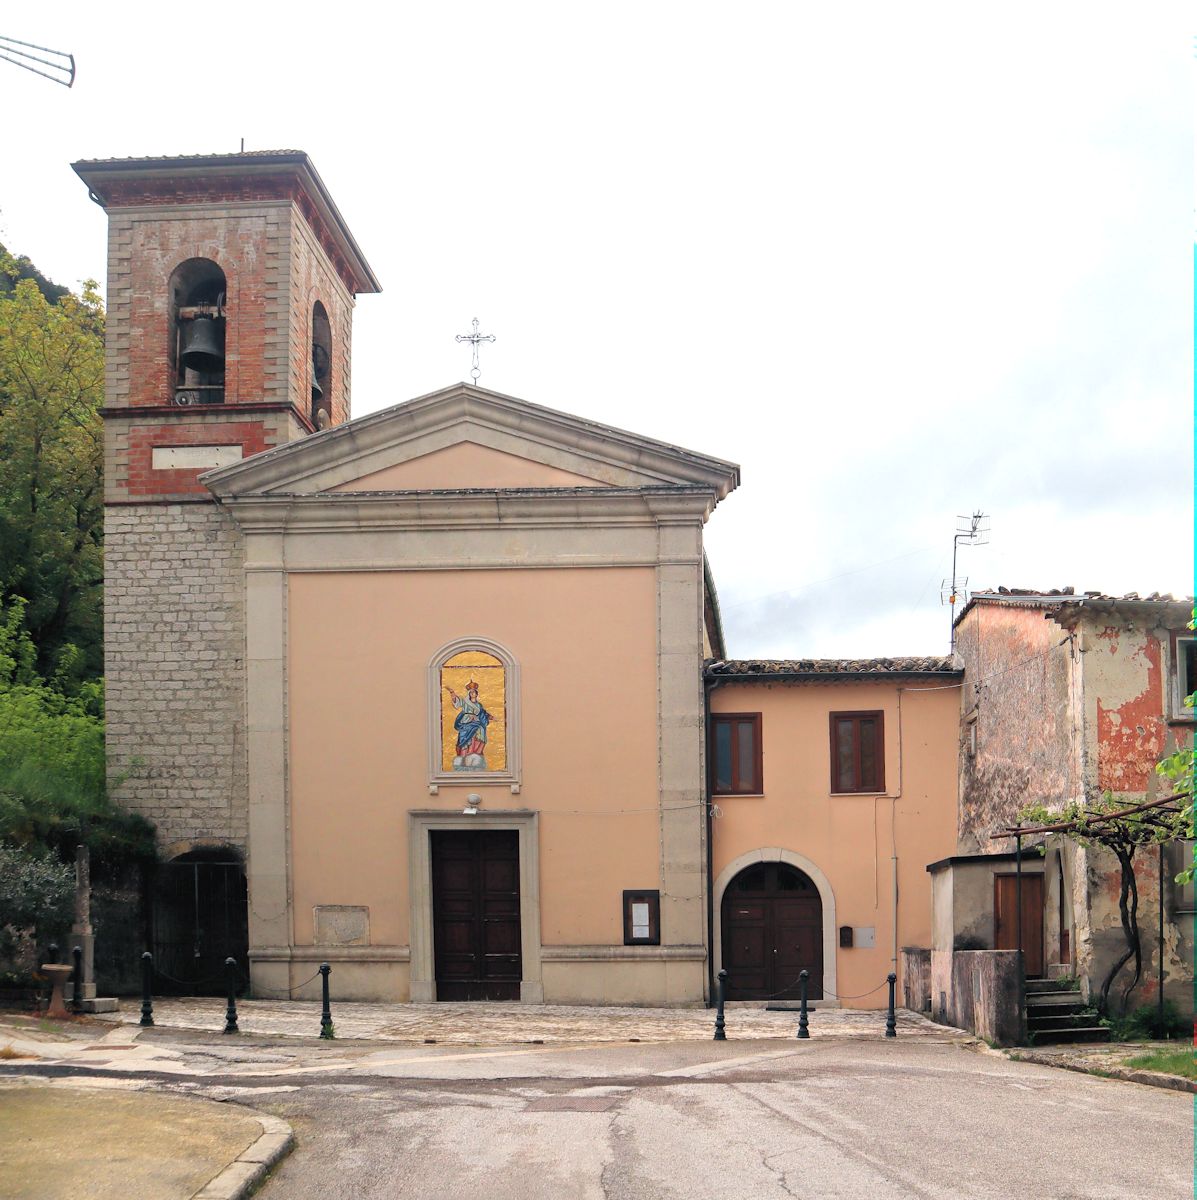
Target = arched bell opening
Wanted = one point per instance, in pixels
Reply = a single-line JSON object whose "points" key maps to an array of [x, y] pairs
{"points": [[198, 292], [321, 368], [199, 916], [771, 918]]}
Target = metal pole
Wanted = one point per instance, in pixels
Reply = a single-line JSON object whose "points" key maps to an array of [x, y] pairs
{"points": [[147, 983], [230, 1016], [720, 1032], [891, 1020], [1160, 998], [326, 1025], [77, 996], [803, 1031]]}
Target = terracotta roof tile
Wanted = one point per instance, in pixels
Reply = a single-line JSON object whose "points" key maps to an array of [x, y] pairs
{"points": [[911, 665]]}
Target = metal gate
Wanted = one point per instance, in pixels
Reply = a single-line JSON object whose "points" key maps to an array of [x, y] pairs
{"points": [[200, 916]]}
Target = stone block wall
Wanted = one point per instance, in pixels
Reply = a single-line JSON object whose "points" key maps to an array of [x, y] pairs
{"points": [[174, 635]]}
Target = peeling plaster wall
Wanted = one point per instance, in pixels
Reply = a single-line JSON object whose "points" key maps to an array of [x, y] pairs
{"points": [[1126, 732], [1058, 720], [1018, 689]]}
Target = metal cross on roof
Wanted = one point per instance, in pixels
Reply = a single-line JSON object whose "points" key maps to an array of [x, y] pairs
{"points": [[475, 339]]}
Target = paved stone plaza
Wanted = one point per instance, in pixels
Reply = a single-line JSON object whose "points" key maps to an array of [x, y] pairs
{"points": [[498, 1024]]}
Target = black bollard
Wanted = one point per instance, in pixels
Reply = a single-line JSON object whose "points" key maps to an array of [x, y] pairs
{"points": [[803, 1031], [230, 1015], [147, 984], [891, 1021], [720, 1033], [77, 998], [326, 1025]]}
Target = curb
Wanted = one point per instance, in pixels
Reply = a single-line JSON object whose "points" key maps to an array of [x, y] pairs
{"points": [[243, 1175], [1172, 1083]]}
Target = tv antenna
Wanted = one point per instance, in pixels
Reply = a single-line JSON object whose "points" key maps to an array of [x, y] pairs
{"points": [[60, 66], [970, 531]]}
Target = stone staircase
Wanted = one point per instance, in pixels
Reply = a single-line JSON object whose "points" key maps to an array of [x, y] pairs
{"points": [[1056, 1012]]}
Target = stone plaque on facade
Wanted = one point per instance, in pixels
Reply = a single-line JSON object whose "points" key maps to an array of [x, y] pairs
{"points": [[342, 925], [193, 458]]}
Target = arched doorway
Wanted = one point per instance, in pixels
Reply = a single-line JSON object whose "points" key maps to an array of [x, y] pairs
{"points": [[772, 921], [200, 917]]}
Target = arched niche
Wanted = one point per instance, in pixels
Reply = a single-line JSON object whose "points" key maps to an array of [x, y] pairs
{"points": [[198, 290], [199, 916], [320, 368], [473, 731]]}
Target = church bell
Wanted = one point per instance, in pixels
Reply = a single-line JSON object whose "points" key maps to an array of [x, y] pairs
{"points": [[203, 345]]}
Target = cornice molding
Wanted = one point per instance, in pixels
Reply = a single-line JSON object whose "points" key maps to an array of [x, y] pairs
{"points": [[470, 509]]}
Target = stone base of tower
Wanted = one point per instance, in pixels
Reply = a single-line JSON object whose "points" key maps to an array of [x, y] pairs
{"points": [[175, 672]]}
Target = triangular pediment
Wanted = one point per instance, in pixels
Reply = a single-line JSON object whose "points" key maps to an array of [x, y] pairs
{"points": [[467, 464], [468, 437]]}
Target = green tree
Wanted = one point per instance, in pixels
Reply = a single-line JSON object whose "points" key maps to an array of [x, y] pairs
{"points": [[51, 461]]}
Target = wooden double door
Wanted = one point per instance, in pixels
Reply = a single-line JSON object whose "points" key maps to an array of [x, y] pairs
{"points": [[772, 920], [476, 914]]}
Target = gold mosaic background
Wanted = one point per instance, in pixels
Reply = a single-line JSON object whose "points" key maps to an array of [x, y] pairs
{"points": [[491, 677]]}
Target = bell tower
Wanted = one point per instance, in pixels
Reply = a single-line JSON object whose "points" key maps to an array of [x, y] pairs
{"points": [[231, 286]]}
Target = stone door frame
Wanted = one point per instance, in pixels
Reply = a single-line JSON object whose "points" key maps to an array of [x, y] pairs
{"points": [[420, 823], [808, 868]]}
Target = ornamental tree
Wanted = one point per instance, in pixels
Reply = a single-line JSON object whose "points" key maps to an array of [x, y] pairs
{"points": [[1122, 827]]}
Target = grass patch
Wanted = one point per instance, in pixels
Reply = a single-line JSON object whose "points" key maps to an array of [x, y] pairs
{"points": [[1170, 1062], [8, 1052]]}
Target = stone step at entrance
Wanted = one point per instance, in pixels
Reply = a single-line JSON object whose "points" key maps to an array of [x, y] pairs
{"points": [[1059, 1014]]}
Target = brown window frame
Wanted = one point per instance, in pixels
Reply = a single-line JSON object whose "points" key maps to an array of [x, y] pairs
{"points": [[877, 715], [758, 774], [653, 899]]}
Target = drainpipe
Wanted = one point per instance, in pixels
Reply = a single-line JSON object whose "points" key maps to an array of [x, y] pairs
{"points": [[708, 686], [893, 831]]}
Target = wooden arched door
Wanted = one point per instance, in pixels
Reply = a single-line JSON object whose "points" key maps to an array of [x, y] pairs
{"points": [[772, 919]]}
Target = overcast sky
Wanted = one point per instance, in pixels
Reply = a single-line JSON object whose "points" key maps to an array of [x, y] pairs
{"points": [[900, 262]]}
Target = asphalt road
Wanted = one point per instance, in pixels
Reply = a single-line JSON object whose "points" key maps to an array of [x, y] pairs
{"points": [[736, 1121]]}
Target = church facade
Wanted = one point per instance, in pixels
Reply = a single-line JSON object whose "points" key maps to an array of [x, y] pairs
{"points": [[439, 695]]}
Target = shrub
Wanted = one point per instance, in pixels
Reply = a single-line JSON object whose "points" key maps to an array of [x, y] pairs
{"points": [[1144, 1024], [36, 899]]}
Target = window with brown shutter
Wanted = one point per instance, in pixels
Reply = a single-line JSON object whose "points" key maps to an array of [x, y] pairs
{"points": [[736, 754], [857, 752]]}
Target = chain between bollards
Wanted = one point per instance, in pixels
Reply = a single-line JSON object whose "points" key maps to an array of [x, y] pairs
{"points": [[720, 1032], [803, 1031], [891, 1021], [147, 989], [230, 1016], [77, 995], [326, 1025]]}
